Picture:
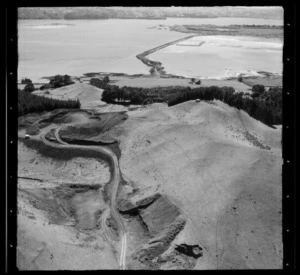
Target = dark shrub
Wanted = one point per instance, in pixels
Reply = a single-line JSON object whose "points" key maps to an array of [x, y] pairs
{"points": [[105, 79], [255, 94], [26, 81], [29, 88], [97, 82], [60, 81], [259, 89], [46, 86]]}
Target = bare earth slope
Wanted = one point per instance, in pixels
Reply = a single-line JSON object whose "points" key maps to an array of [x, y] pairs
{"points": [[221, 167], [214, 175]]}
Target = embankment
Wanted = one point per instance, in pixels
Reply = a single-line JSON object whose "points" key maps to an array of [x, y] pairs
{"points": [[156, 67]]}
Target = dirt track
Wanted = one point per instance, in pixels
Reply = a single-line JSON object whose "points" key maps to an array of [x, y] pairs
{"points": [[114, 181]]}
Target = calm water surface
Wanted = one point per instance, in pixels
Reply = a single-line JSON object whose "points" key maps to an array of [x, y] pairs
{"points": [[110, 46]]}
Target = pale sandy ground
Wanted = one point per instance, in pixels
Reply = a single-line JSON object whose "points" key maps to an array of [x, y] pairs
{"points": [[196, 154], [229, 190]]}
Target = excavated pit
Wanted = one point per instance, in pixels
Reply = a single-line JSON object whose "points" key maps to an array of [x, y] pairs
{"points": [[161, 222]]}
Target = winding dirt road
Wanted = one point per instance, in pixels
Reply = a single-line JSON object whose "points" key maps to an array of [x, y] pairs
{"points": [[115, 180]]}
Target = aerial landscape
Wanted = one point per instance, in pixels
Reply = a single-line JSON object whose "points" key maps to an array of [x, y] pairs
{"points": [[149, 138]]}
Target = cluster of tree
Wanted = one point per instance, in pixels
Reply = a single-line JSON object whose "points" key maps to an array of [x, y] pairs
{"points": [[267, 107], [100, 83], [257, 90], [26, 81], [46, 86], [57, 82], [29, 103], [29, 88], [60, 81], [195, 81]]}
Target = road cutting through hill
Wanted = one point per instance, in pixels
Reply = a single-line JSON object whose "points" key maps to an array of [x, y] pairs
{"points": [[115, 180]]}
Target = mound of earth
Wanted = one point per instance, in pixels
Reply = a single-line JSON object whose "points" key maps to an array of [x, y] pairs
{"points": [[161, 222], [33, 123], [80, 126], [93, 130], [62, 116], [159, 215], [226, 182]]}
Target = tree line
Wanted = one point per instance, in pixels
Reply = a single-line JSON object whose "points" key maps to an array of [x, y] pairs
{"points": [[55, 82], [29, 103], [265, 106], [138, 96], [100, 83]]}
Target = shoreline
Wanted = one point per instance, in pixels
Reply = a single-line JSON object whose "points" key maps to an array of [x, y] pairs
{"points": [[265, 78]]}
